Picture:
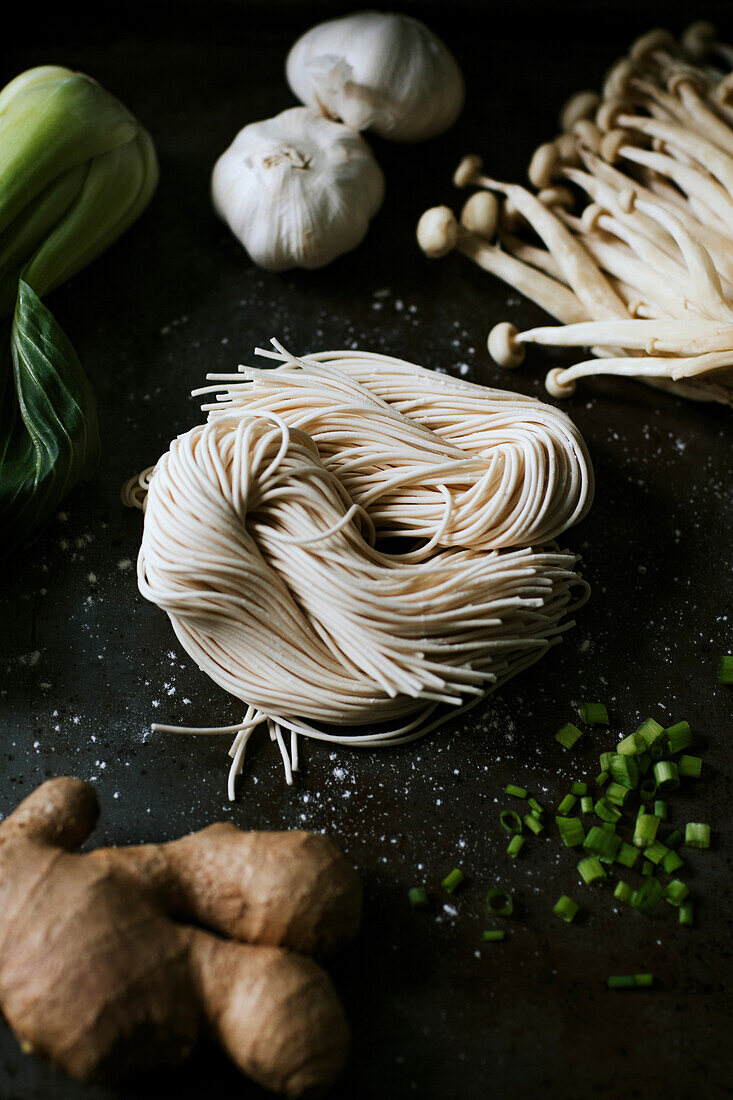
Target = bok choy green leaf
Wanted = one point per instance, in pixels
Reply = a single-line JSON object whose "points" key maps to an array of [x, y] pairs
{"points": [[76, 169]]}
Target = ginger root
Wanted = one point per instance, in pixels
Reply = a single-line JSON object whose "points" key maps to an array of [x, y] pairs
{"points": [[114, 961]]}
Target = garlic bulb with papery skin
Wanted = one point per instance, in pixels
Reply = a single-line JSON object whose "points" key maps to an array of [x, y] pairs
{"points": [[297, 190], [378, 71]]}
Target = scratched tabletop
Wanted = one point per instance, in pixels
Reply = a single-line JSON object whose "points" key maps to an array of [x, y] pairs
{"points": [[87, 665]]}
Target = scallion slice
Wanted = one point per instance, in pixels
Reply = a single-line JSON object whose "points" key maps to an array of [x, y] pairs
{"points": [[579, 789], [533, 823], [674, 839], [647, 790], [690, 766], [671, 862], [675, 892], [536, 806], [571, 831], [656, 852], [586, 804], [624, 770], [678, 737], [590, 870], [630, 981], [616, 793], [514, 846], [660, 809], [697, 835], [600, 843], [623, 891], [645, 830], [631, 745], [650, 731], [725, 669], [606, 811], [453, 880], [565, 908], [418, 897], [648, 868], [666, 775], [493, 935], [568, 735], [515, 791], [567, 804], [499, 902], [511, 822], [627, 854], [602, 778], [646, 898], [595, 714], [686, 913]]}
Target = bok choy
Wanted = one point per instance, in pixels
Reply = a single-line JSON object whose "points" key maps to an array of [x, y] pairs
{"points": [[76, 169]]}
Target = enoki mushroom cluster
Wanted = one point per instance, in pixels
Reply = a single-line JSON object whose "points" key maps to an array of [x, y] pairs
{"points": [[632, 224], [327, 545]]}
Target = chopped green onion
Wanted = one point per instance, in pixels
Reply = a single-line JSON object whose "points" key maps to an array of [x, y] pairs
{"points": [[499, 902], [590, 870], [650, 731], [679, 736], [418, 897], [685, 913], [645, 830], [630, 981], [595, 714], [586, 804], [660, 809], [602, 844], [616, 793], [647, 790], [536, 806], [601, 778], [725, 669], [656, 852], [666, 775], [648, 895], [533, 823], [568, 735], [690, 766], [567, 804], [451, 881], [631, 745], [627, 854], [697, 835], [578, 788], [515, 791], [606, 811], [671, 862], [674, 839], [510, 822], [493, 935], [514, 846], [676, 892], [624, 770], [623, 891], [604, 761], [571, 830], [648, 869], [565, 908]]}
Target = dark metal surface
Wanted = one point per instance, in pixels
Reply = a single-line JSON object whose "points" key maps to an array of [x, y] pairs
{"points": [[89, 664]]}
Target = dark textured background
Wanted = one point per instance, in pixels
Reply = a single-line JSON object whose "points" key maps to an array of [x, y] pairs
{"points": [[88, 665]]}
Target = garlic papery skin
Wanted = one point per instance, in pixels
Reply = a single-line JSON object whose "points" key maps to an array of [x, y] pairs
{"points": [[378, 71], [297, 190]]}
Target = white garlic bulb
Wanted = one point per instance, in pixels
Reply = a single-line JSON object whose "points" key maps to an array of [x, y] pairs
{"points": [[297, 190], [378, 71]]}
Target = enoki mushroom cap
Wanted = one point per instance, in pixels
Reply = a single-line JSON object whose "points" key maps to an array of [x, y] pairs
{"points": [[467, 171], [618, 78], [504, 347], [697, 39], [611, 145], [567, 149], [557, 196], [544, 165], [480, 214], [608, 112], [649, 43], [588, 134], [555, 387], [437, 231], [580, 105]]}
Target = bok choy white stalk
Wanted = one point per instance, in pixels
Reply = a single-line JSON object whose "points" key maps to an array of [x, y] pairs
{"points": [[76, 169]]}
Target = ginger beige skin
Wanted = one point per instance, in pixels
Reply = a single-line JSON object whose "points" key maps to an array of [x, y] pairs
{"points": [[101, 973]]}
